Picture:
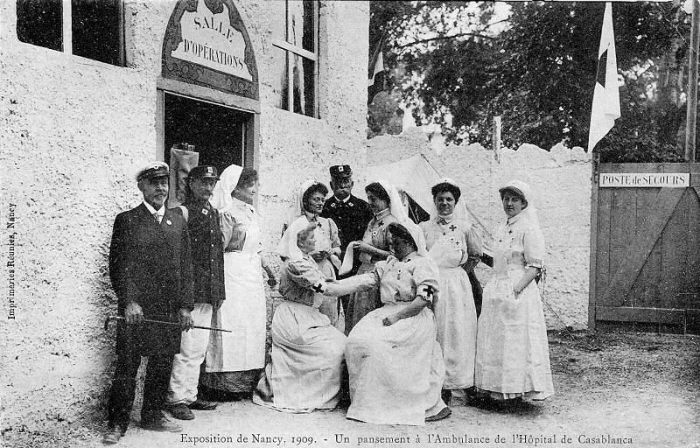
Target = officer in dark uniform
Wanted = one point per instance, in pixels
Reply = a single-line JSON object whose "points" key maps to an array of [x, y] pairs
{"points": [[151, 272], [206, 243], [351, 214]]}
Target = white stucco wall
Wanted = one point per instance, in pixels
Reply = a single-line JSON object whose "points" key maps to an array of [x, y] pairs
{"points": [[74, 131], [561, 180]]}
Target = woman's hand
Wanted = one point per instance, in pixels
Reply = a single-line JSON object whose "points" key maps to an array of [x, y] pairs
{"points": [[529, 275], [363, 247], [320, 255], [271, 280], [516, 292], [391, 320], [186, 320]]}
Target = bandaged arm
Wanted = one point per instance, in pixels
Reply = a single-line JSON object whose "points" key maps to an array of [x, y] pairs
{"points": [[351, 285]]}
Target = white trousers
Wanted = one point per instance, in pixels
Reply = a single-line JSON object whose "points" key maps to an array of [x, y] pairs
{"points": [[184, 378]]}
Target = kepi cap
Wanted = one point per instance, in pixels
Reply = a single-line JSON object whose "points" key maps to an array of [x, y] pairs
{"points": [[203, 172], [152, 171], [341, 171]]}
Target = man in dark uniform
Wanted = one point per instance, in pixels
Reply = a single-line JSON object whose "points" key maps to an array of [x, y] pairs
{"points": [[207, 246], [351, 214], [151, 273]]}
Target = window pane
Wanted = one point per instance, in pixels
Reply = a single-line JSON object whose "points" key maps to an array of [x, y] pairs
{"points": [[279, 78], [302, 17], [304, 88], [309, 40], [40, 22], [96, 28]]}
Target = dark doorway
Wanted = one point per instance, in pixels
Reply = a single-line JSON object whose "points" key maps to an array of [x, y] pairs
{"points": [[217, 132]]}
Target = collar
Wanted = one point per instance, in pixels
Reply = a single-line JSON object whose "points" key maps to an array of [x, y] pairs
{"points": [[241, 204], [345, 201], [151, 210], [383, 214], [311, 216], [514, 219], [202, 205], [409, 257], [445, 219]]}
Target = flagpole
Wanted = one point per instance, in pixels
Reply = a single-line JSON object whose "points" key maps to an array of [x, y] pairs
{"points": [[692, 102]]}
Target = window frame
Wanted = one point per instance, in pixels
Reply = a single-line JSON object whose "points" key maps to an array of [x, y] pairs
{"points": [[293, 50], [67, 33]]}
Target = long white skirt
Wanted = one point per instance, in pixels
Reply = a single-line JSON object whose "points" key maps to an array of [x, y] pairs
{"points": [[307, 361], [397, 371], [455, 317], [244, 313], [512, 353]]}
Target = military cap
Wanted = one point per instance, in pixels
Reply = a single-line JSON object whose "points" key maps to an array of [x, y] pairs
{"points": [[203, 172], [153, 170], [340, 171]]}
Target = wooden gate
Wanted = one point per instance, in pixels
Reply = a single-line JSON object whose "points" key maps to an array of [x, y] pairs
{"points": [[645, 254]]}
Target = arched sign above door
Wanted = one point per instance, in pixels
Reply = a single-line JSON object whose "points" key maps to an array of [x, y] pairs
{"points": [[206, 43]]}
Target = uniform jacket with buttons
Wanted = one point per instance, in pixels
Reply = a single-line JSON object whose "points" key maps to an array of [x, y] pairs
{"points": [[351, 217], [203, 222], [150, 264]]}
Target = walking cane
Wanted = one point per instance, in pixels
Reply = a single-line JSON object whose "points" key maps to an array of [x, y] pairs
{"points": [[162, 322]]}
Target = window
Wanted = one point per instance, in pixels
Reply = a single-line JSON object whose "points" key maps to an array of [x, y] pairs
{"points": [[89, 28], [297, 57]]}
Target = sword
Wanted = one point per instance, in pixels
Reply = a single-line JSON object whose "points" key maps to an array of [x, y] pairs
{"points": [[162, 322]]}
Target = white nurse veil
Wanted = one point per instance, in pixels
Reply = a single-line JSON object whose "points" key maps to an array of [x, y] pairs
{"points": [[221, 197], [396, 207]]}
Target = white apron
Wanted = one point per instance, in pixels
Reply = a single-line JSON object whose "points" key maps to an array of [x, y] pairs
{"points": [[455, 314], [243, 312], [512, 349]]}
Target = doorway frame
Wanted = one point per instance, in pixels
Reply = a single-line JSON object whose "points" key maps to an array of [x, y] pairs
{"points": [[251, 128]]}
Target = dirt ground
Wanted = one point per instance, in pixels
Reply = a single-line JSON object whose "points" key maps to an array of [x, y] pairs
{"points": [[613, 389]]}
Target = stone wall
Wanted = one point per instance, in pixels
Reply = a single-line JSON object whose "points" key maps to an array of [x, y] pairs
{"points": [[561, 180], [74, 131]]}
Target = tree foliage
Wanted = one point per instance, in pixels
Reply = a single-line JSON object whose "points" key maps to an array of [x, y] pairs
{"points": [[538, 72]]}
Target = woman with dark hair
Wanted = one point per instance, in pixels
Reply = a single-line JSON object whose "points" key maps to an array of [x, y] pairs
{"points": [[234, 360], [394, 361], [385, 203], [512, 353], [456, 248], [306, 208]]}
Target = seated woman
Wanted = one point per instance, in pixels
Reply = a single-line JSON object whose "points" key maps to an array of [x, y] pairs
{"points": [[306, 207], [394, 360], [307, 351]]}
